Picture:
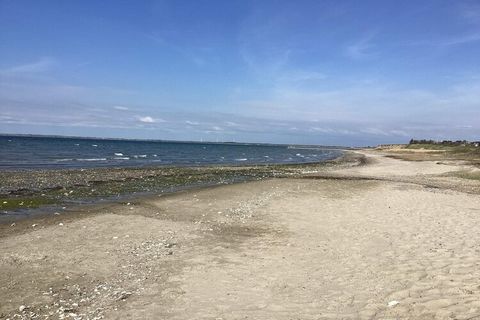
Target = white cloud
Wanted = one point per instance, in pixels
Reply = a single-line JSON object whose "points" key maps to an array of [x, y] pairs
{"points": [[146, 119], [192, 123]]}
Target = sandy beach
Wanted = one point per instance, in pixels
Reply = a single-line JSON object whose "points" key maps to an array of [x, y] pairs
{"points": [[384, 239]]}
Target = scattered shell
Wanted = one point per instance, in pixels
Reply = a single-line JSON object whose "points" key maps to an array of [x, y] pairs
{"points": [[393, 303]]}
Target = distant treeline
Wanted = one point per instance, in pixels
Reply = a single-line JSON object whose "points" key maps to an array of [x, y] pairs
{"points": [[446, 142]]}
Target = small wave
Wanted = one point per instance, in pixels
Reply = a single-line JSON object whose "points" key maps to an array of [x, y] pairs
{"points": [[92, 159], [140, 156], [63, 160], [241, 159], [118, 154], [155, 155], [94, 145], [121, 158], [300, 155]]}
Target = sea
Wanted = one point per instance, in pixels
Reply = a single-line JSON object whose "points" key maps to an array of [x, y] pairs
{"points": [[45, 152]]}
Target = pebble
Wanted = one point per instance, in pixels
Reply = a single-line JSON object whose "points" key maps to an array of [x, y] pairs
{"points": [[393, 303], [34, 225], [21, 308], [60, 224]]}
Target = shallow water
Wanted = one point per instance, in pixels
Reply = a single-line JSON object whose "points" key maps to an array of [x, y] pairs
{"points": [[54, 152]]}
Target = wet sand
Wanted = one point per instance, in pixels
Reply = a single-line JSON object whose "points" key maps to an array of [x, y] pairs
{"points": [[389, 239]]}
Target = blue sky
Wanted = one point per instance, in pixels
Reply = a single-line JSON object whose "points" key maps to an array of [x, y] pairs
{"points": [[320, 72]]}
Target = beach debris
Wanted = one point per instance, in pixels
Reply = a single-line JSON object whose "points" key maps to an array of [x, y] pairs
{"points": [[60, 224], [34, 225], [393, 303], [22, 308], [114, 237], [12, 225], [124, 295], [5, 202], [56, 213]]}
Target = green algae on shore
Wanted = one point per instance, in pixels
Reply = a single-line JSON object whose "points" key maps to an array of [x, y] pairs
{"points": [[24, 202], [34, 189]]}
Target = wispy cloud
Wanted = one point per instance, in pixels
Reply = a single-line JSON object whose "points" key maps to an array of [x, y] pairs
{"points": [[470, 11], [361, 49], [450, 41], [301, 76], [198, 56], [41, 65], [121, 108]]}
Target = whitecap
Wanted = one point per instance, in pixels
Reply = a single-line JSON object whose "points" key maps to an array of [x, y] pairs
{"points": [[121, 158], [94, 145], [92, 159], [241, 159], [118, 154], [62, 160]]}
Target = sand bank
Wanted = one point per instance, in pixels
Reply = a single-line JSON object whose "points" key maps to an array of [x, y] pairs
{"points": [[390, 239]]}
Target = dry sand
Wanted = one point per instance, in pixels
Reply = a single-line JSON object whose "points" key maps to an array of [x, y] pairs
{"points": [[388, 240]]}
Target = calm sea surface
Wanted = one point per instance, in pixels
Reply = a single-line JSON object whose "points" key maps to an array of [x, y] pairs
{"points": [[49, 152]]}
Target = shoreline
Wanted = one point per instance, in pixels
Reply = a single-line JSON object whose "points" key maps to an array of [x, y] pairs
{"points": [[367, 239], [26, 193]]}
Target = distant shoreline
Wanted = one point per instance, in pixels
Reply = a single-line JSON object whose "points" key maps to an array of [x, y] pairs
{"points": [[170, 141]]}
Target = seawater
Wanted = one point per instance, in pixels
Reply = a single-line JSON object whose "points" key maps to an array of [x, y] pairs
{"points": [[59, 152]]}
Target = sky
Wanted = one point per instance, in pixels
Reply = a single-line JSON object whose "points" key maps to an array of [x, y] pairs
{"points": [[307, 72]]}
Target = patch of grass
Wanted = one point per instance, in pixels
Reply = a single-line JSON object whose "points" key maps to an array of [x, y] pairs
{"points": [[446, 148], [24, 203]]}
